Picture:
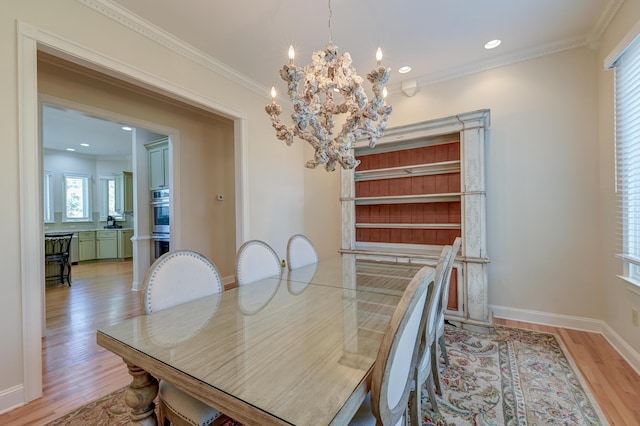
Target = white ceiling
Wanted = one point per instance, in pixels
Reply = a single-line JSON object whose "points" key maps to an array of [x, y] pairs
{"points": [[439, 39], [64, 128]]}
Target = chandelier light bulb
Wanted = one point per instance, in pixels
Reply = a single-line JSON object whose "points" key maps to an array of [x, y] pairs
{"points": [[292, 54], [384, 92], [273, 93], [379, 56]]}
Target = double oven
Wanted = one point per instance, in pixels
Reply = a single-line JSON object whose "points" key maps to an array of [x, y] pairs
{"points": [[160, 221]]}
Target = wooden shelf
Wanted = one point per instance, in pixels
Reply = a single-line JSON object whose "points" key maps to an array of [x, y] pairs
{"points": [[407, 199], [409, 225], [409, 171]]}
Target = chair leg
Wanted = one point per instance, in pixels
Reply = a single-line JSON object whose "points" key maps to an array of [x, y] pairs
{"points": [[435, 370], [62, 272], [443, 349], [405, 417], [162, 419], [415, 403], [432, 394]]}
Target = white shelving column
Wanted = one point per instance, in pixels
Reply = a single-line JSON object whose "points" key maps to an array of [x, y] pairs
{"points": [[472, 260]]}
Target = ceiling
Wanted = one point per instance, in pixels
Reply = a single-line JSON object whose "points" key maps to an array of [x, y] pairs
{"points": [[64, 129], [439, 39]]}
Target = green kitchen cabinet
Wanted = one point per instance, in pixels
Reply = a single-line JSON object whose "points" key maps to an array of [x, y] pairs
{"points": [[106, 244], [125, 246], [158, 164], [124, 192], [86, 245]]}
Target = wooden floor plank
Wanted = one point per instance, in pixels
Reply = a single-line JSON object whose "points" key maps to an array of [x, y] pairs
{"points": [[76, 370]]}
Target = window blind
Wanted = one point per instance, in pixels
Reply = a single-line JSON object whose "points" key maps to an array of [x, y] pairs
{"points": [[627, 119]]}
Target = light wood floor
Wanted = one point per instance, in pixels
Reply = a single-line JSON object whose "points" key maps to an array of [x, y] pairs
{"points": [[76, 370]]}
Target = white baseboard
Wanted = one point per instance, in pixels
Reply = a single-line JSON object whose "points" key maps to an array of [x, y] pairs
{"points": [[574, 323], [11, 398]]}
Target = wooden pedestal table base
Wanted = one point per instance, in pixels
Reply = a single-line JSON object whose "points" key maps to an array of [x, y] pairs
{"points": [[139, 396]]}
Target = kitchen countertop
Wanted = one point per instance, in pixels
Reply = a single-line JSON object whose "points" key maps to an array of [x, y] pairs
{"points": [[75, 231]]}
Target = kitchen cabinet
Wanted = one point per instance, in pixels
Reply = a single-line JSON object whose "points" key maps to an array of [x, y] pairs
{"points": [[106, 244], [75, 249], [86, 245], [158, 163], [125, 246], [421, 187], [124, 192]]}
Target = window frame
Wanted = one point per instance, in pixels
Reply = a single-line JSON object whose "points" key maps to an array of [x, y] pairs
{"points": [[104, 199], [47, 197], [86, 199], [626, 65]]}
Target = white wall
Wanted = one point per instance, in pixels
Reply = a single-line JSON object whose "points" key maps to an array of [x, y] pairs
{"points": [[274, 172], [59, 163], [542, 181]]}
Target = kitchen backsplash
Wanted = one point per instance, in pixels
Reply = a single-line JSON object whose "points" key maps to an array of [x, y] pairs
{"points": [[96, 223]]}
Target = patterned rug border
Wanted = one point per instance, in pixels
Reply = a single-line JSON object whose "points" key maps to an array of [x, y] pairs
{"points": [[574, 367]]}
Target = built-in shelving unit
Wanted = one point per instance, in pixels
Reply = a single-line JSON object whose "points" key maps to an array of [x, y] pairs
{"points": [[416, 191]]}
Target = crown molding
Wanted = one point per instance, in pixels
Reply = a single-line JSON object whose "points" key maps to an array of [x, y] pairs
{"points": [[147, 29], [605, 19], [504, 60], [590, 39], [158, 35], [501, 61]]}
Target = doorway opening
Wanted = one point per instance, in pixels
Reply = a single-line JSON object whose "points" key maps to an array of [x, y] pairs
{"points": [[31, 43]]}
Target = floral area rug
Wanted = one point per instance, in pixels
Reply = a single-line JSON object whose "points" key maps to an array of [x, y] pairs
{"points": [[511, 377], [109, 410]]}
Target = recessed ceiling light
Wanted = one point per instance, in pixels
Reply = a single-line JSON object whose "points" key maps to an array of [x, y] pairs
{"points": [[84, 144], [127, 128], [71, 149], [492, 44], [404, 70]]}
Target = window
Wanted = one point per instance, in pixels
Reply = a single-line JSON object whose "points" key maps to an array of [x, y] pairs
{"points": [[77, 197], [47, 202], [627, 118], [108, 207]]}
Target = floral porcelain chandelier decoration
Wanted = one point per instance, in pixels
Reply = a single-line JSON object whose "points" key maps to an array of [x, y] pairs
{"points": [[327, 87]]}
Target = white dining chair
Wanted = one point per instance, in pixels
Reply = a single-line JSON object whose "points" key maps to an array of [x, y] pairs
{"points": [[387, 402], [423, 372], [442, 307], [300, 252], [256, 260], [175, 278]]}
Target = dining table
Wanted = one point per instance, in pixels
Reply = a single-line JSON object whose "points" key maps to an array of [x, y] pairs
{"points": [[296, 349]]}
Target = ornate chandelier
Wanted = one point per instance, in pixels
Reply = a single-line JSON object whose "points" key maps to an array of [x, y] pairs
{"points": [[330, 86]]}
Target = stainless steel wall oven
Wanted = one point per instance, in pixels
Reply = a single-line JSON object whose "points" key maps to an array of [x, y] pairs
{"points": [[160, 244], [160, 211], [160, 221]]}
